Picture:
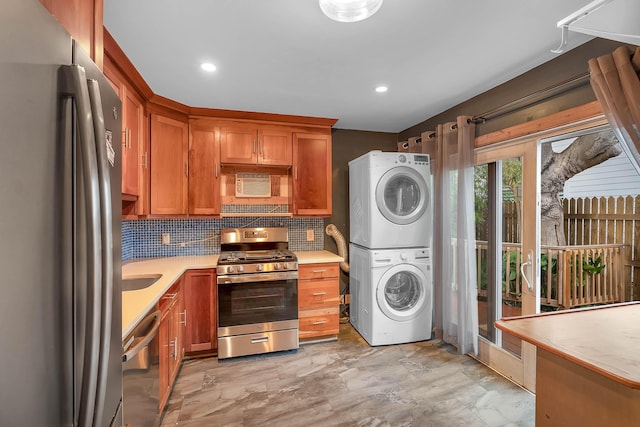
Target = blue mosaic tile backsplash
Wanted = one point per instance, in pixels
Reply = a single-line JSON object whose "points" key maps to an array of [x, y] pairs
{"points": [[143, 238]]}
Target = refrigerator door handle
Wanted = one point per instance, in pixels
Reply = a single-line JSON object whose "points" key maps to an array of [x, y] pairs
{"points": [[76, 86], [106, 215]]}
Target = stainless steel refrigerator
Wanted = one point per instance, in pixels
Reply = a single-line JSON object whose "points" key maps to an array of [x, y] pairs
{"points": [[60, 228]]}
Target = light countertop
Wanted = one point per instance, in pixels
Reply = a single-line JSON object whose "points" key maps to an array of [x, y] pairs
{"points": [[136, 304], [316, 257]]}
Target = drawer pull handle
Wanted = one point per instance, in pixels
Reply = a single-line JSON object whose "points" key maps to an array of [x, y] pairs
{"points": [[184, 313], [318, 294], [170, 296], [174, 345], [320, 322], [259, 340], [319, 271]]}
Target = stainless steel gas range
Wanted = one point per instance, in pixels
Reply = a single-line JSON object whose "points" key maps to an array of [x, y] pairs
{"points": [[257, 292]]}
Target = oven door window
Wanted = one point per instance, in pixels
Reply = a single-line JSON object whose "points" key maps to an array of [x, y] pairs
{"points": [[257, 302]]}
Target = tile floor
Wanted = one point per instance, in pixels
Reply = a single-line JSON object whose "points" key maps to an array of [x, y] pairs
{"points": [[347, 383]]}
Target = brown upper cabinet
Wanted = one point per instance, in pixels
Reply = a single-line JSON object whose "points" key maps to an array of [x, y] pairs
{"points": [[169, 174], [134, 156], [312, 174], [173, 154], [83, 20], [204, 169], [250, 145]]}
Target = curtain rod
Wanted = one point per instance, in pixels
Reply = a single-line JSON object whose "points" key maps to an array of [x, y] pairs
{"points": [[526, 101]]}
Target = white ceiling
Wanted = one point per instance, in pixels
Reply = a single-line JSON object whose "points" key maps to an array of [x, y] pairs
{"points": [[285, 56]]}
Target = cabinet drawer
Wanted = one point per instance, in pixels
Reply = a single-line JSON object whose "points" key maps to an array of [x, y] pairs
{"points": [[319, 322], [316, 293], [318, 271]]}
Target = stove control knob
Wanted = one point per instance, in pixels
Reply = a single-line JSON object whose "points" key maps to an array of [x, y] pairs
{"points": [[278, 266], [240, 268], [287, 266], [230, 269], [259, 267]]}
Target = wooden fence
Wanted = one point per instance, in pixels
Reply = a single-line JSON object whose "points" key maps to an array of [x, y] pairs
{"points": [[596, 221], [570, 276], [604, 221]]}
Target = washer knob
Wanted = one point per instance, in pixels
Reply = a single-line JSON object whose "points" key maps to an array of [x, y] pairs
{"points": [[403, 256]]}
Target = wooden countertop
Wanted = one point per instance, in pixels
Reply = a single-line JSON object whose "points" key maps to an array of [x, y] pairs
{"points": [[605, 340], [136, 304]]}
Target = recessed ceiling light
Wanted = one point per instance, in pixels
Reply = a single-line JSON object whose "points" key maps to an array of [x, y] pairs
{"points": [[381, 89], [207, 66]]}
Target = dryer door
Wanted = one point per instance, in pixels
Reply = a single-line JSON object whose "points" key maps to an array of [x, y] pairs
{"points": [[402, 195], [403, 292]]}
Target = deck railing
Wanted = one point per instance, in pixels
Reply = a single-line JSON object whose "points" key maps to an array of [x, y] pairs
{"points": [[570, 276]]}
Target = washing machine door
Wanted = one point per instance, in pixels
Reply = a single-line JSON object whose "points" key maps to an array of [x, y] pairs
{"points": [[402, 195], [403, 292]]}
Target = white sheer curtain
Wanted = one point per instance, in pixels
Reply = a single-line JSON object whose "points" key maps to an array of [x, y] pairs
{"points": [[454, 238]]}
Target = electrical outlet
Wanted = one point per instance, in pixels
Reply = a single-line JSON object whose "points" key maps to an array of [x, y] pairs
{"points": [[310, 235], [166, 238]]}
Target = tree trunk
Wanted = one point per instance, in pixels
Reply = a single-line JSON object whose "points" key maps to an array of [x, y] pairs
{"points": [[556, 168]]}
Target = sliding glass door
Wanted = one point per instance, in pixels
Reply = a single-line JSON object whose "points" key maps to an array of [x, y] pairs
{"points": [[520, 266], [506, 183]]}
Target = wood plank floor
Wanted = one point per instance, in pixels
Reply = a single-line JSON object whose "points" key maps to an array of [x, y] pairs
{"points": [[348, 383]]}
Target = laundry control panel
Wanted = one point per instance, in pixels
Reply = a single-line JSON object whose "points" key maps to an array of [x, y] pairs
{"points": [[421, 159]]}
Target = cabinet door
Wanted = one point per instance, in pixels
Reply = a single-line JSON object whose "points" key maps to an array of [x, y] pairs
{"points": [[204, 171], [83, 20], [176, 345], [164, 387], [274, 147], [169, 166], [311, 174], [115, 80], [132, 153], [238, 145], [200, 303]]}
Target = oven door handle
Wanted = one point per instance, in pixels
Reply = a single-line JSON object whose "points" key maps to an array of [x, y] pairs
{"points": [[251, 278]]}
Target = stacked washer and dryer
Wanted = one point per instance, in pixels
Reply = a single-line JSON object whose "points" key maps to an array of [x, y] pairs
{"points": [[391, 222]]}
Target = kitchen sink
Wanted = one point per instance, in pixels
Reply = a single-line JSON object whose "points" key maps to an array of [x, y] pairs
{"points": [[134, 283]]}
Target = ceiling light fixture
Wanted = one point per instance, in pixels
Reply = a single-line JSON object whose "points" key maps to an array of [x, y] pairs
{"points": [[349, 10], [381, 89], [207, 66]]}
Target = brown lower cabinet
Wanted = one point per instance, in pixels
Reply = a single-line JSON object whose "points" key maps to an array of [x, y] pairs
{"points": [[200, 301], [188, 325], [189, 316], [170, 339], [318, 301]]}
